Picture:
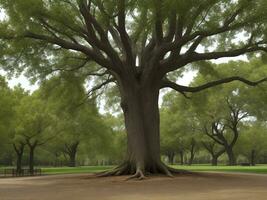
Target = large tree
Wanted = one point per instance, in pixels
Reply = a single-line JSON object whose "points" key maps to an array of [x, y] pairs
{"points": [[136, 44]]}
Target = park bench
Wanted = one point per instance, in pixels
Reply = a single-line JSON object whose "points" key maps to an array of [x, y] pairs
{"points": [[24, 172]]}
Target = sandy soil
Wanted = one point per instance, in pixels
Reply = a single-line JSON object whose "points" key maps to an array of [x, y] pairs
{"points": [[203, 186]]}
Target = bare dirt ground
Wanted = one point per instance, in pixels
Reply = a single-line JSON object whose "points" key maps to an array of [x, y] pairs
{"points": [[202, 186]]}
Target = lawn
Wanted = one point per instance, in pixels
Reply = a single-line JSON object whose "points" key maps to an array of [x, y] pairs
{"points": [[74, 170], [93, 169], [260, 169]]}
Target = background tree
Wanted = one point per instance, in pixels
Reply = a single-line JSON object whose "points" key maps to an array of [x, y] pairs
{"points": [[17, 139], [179, 128], [35, 121], [7, 114], [173, 129], [252, 143], [214, 150], [118, 147], [221, 121], [223, 111], [78, 120], [95, 38]]}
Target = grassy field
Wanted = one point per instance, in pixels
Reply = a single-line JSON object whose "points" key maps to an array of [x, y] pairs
{"points": [[74, 170], [261, 169], [93, 169]]}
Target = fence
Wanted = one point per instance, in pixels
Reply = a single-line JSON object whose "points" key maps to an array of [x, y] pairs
{"points": [[23, 172]]}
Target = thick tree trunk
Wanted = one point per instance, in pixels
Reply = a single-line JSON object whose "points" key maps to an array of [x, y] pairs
{"points": [[231, 156], [141, 115], [142, 124]]}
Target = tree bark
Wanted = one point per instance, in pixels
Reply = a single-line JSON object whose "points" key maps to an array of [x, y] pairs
{"points": [[19, 152], [72, 162], [252, 157], [181, 157], [214, 161], [141, 115], [231, 156], [31, 159], [71, 150], [171, 156], [210, 147], [192, 152], [19, 163], [215, 156]]}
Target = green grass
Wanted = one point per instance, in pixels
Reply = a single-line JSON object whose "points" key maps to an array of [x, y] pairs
{"points": [[75, 170], [260, 169], [67, 170]]}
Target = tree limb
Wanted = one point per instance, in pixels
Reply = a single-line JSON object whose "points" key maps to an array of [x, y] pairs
{"points": [[231, 53], [184, 89], [94, 27], [97, 87], [126, 41], [73, 46]]}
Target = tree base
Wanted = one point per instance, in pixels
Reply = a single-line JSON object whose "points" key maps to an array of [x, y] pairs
{"points": [[141, 173]]}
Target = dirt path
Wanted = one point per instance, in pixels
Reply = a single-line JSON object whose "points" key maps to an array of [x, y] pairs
{"points": [[204, 186]]}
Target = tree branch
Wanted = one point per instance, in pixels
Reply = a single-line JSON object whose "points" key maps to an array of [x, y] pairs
{"points": [[158, 23], [184, 89], [97, 87], [93, 26], [212, 136], [73, 46], [172, 22], [126, 41], [231, 53]]}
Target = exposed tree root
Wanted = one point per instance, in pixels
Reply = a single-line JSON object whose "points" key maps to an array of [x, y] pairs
{"points": [[140, 173], [122, 169], [178, 171], [164, 169]]}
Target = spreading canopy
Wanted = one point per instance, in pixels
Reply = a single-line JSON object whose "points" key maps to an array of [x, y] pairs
{"points": [[118, 38]]}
